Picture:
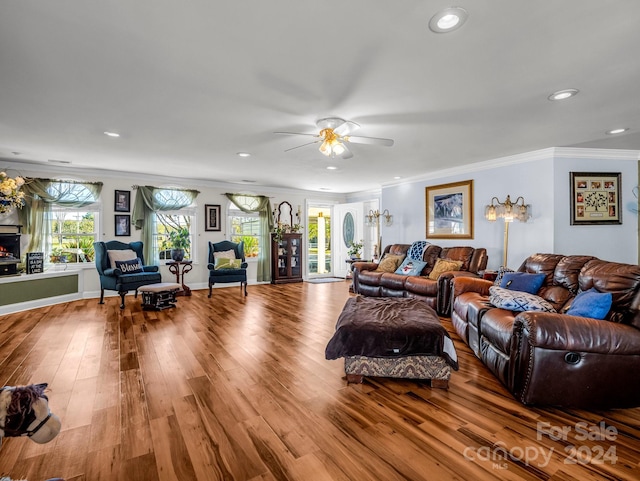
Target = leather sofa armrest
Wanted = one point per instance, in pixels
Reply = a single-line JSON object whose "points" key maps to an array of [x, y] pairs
{"points": [[363, 266], [445, 290], [462, 284], [572, 333]]}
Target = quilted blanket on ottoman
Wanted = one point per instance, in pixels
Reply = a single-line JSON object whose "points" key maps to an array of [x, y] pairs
{"points": [[390, 327]]}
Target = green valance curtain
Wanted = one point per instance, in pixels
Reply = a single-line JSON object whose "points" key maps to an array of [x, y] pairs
{"points": [[263, 208], [41, 194], [150, 200]]}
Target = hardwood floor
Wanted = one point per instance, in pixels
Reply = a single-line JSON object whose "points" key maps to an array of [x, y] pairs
{"points": [[237, 388]]}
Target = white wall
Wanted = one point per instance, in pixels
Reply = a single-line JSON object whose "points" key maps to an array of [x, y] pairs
{"points": [[542, 178], [610, 242]]}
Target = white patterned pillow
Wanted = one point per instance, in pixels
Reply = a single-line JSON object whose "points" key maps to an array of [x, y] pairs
{"points": [[517, 301], [502, 270]]}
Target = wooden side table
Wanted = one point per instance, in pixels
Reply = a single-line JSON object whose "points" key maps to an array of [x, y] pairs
{"points": [[180, 268]]}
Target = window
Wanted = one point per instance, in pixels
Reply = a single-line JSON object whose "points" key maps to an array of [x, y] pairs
{"points": [[73, 230], [245, 227], [167, 221]]}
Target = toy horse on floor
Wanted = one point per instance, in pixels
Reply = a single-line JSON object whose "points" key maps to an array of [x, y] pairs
{"points": [[24, 411]]}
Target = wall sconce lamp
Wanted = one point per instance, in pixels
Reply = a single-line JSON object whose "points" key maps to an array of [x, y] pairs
{"points": [[508, 211], [372, 219]]}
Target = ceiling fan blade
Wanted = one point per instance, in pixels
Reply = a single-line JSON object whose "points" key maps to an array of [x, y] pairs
{"points": [[369, 140], [347, 154], [303, 145], [346, 128], [296, 133]]}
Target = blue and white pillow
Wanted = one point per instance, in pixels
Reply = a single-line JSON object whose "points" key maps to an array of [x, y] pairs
{"points": [[410, 267], [416, 251], [133, 266], [518, 301]]}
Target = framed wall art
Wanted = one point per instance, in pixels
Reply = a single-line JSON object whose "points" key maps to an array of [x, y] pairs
{"points": [[212, 217], [450, 210], [123, 225], [122, 201], [595, 198]]}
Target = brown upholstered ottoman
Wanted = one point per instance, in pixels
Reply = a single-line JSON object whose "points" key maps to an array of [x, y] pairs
{"points": [[392, 337]]}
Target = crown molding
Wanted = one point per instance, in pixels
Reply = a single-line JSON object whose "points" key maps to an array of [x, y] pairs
{"points": [[584, 153]]}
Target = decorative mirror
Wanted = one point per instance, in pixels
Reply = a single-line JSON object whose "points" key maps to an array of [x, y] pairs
{"points": [[348, 229], [285, 214]]}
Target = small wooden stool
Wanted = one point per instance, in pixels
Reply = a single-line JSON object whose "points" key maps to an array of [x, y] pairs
{"points": [[159, 296]]}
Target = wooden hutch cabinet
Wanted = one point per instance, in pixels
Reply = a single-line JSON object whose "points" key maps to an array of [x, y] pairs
{"points": [[286, 258]]}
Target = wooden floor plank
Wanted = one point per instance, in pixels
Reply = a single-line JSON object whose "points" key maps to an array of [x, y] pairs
{"points": [[237, 388]]}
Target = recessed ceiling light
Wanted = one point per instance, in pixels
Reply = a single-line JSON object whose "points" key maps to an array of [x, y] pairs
{"points": [[243, 154], [397, 177], [616, 131], [332, 167], [563, 94], [111, 134], [448, 20]]}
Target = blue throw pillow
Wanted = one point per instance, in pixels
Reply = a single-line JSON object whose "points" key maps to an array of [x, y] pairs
{"points": [[522, 281], [130, 267], [410, 267], [592, 304]]}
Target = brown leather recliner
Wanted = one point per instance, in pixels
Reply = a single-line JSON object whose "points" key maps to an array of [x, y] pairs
{"points": [[554, 358], [368, 281]]}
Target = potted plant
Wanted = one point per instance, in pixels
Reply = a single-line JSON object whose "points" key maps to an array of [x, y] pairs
{"points": [[178, 242], [355, 248]]}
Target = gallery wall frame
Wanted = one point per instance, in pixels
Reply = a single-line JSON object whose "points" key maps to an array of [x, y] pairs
{"points": [[122, 202], [595, 198], [449, 210], [123, 225], [212, 218]]}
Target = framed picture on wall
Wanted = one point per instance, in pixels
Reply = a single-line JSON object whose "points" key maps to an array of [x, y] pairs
{"points": [[212, 217], [449, 210], [122, 201], [595, 198], [123, 225]]}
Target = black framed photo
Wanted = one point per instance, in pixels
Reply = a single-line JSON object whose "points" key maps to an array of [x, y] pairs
{"points": [[122, 201], [595, 198], [123, 225], [212, 218]]}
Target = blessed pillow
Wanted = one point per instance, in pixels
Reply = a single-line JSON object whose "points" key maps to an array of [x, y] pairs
{"points": [[522, 281], [230, 254], [444, 265], [410, 267], [518, 301], [592, 304], [224, 263], [120, 255], [133, 266], [389, 263]]}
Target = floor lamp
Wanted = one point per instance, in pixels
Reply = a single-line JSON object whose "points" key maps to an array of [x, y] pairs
{"points": [[508, 211], [372, 219]]}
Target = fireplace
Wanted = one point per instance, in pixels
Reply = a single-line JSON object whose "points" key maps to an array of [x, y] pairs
{"points": [[9, 249]]}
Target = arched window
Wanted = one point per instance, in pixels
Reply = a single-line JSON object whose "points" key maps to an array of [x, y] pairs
{"points": [[245, 226]]}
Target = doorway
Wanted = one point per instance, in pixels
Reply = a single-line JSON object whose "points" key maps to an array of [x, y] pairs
{"points": [[319, 240]]}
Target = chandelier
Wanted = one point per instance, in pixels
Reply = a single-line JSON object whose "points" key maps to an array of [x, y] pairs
{"points": [[331, 145]]}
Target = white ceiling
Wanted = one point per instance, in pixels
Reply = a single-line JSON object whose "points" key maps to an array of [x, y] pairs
{"points": [[188, 84]]}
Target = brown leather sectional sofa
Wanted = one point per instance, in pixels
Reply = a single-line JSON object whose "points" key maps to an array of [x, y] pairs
{"points": [[436, 293], [553, 358]]}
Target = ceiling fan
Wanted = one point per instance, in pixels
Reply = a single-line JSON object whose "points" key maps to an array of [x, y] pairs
{"points": [[335, 134]]}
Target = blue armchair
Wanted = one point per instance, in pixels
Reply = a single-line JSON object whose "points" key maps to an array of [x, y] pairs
{"points": [[114, 279], [227, 275]]}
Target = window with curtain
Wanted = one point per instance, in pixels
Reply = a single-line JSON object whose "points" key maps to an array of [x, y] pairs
{"points": [[164, 222], [73, 232], [245, 226]]}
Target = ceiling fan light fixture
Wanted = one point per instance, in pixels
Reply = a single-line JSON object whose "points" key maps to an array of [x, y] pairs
{"points": [[325, 148], [337, 148], [448, 20]]}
